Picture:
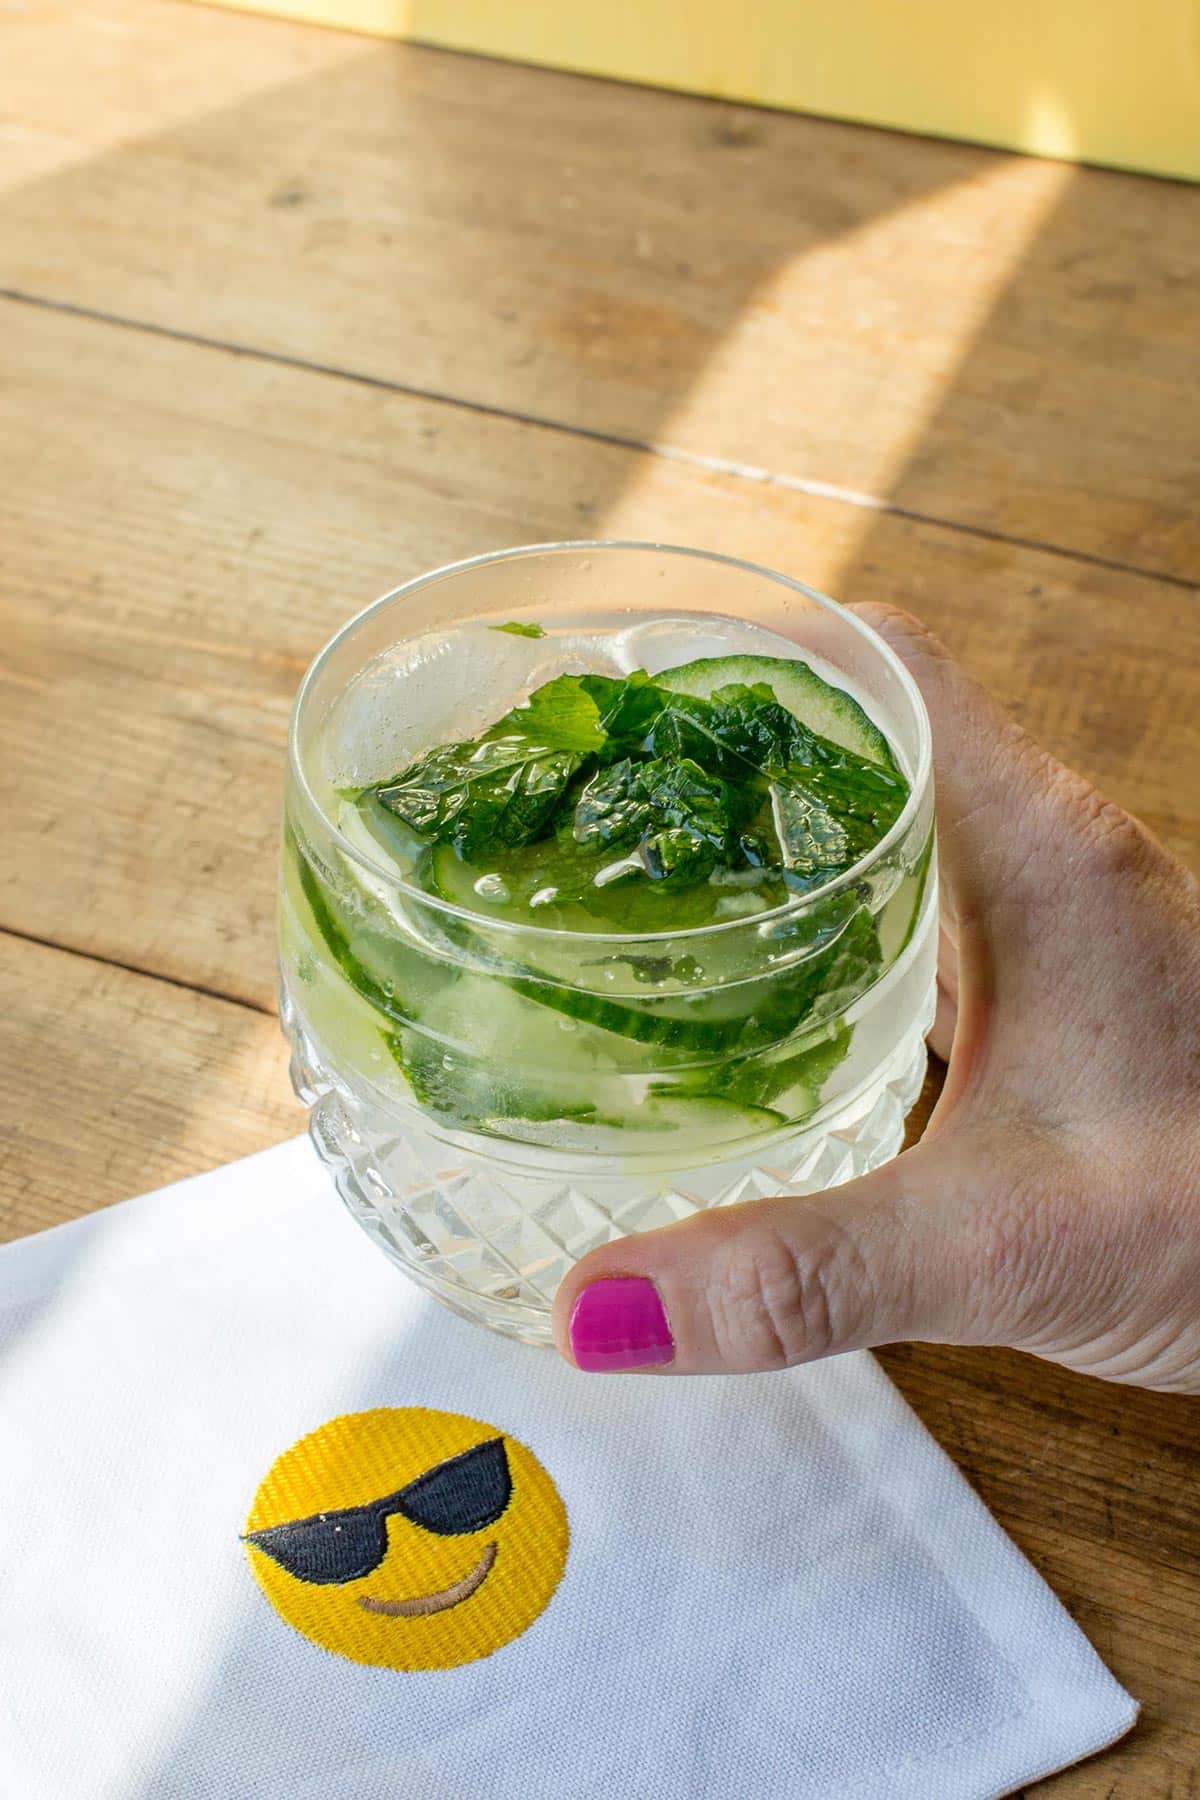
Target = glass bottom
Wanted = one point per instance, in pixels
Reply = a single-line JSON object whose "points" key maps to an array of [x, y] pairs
{"points": [[491, 1228]]}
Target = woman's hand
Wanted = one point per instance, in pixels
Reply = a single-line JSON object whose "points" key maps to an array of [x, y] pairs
{"points": [[1053, 1204]]}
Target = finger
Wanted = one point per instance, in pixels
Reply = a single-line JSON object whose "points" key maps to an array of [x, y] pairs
{"points": [[770, 1283], [986, 769], [991, 781]]}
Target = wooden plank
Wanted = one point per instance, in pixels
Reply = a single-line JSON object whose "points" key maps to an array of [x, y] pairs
{"points": [[138, 69], [115, 1083], [185, 527], [1002, 342]]}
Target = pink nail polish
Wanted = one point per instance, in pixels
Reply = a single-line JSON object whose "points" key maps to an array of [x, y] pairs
{"points": [[618, 1324]]}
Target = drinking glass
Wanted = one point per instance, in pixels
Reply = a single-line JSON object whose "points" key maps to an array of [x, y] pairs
{"points": [[494, 1098]]}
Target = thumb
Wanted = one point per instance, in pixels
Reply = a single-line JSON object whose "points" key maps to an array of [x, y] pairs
{"points": [[991, 779], [997, 818], [769, 1283]]}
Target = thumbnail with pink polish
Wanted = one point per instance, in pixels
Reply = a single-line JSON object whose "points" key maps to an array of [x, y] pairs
{"points": [[619, 1324]]}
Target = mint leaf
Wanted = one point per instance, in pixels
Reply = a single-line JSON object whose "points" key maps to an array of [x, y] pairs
{"points": [[519, 629], [759, 1080], [686, 785], [679, 856], [813, 841], [682, 820], [628, 708], [739, 733], [831, 811], [502, 792], [828, 806], [824, 985], [560, 715]]}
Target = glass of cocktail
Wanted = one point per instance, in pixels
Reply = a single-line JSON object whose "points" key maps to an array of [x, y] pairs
{"points": [[608, 894]]}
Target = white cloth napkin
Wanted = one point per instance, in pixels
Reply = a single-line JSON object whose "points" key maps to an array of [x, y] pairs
{"points": [[776, 1585]]}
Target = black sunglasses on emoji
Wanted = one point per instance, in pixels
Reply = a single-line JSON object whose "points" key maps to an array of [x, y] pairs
{"points": [[462, 1494]]}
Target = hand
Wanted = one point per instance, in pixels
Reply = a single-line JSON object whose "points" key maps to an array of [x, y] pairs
{"points": [[1053, 1203]]}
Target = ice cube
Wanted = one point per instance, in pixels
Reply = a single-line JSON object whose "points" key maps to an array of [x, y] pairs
{"points": [[434, 689], [446, 686], [658, 644], [579, 653]]}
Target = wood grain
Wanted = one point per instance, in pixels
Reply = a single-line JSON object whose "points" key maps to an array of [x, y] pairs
{"points": [[1009, 344], [115, 1083], [186, 527]]}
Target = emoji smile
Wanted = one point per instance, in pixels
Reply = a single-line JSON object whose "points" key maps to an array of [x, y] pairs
{"points": [[422, 1604]]}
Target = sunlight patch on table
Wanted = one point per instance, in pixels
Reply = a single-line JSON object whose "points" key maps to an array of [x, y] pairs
{"points": [[907, 327]]}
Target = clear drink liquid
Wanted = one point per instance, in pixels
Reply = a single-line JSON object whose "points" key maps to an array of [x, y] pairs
{"points": [[496, 1095]]}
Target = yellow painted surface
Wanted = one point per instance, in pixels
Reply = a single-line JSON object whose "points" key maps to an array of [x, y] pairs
{"points": [[1107, 81]]}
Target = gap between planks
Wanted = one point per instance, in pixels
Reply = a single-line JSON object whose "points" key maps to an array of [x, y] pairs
{"points": [[14, 933], [716, 465]]}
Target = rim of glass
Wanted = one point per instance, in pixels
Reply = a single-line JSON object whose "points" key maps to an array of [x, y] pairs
{"points": [[800, 903]]}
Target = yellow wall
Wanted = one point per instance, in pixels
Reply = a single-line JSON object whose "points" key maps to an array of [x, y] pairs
{"points": [[1109, 81]]}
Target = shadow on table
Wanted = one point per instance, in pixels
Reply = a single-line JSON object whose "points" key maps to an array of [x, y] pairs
{"points": [[555, 247], [576, 250]]}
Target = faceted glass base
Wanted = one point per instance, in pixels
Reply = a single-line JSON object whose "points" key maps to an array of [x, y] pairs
{"points": [[491, 1228]]}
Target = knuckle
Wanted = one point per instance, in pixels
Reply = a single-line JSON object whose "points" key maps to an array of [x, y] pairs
{"points": [[1060, 821], [901, 629], [1111, 835], [775, 1303]]}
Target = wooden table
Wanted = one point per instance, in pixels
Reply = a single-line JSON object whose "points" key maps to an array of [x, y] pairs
{"points": [[289, 316]]}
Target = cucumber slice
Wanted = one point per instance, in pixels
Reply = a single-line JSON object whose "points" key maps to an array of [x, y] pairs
{"points": [[683, 1127], [740, 1016], [390, 972], [898, 919], [706, 1011], [342, 1020], [481, 1051], [792, 1084], [379, 953], [703, 1012], [468, 1094], [382, 838], [825, 709]]}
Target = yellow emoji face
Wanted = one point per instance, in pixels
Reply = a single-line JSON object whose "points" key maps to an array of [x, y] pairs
{"points": [[407, 1538]]}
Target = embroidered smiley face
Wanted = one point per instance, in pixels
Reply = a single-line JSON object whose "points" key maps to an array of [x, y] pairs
{"points": [[407, 1538]]}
